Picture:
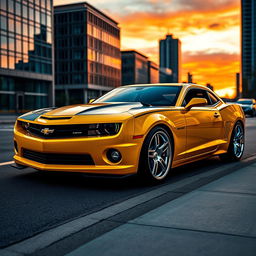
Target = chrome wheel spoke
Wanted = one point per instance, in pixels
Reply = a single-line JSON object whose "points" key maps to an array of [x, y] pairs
{"points": [[162, 163], [157, 140], [151, 153], [155, 168], [164, 147]]}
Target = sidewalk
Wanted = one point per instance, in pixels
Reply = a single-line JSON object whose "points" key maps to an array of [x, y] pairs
{"points": [[8, 119], [216, 219]]}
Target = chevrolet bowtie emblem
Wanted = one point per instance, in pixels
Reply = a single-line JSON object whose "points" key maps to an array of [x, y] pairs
{"points": [[47, 131]]}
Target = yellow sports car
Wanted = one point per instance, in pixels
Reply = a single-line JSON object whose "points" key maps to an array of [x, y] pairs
{"points": [[144, 129]]}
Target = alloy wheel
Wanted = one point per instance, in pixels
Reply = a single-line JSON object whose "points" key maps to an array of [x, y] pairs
{"points": [[238, 141], [159, 155]]}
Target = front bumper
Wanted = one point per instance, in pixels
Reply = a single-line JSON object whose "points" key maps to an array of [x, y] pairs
{"points": [[96, 147]]}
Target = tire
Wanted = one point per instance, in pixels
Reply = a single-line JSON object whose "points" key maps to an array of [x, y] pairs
{"points": [[236, 144], [156, 156]]}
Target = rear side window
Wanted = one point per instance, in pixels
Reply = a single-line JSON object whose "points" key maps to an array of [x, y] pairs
{"points": [[196, 93]]}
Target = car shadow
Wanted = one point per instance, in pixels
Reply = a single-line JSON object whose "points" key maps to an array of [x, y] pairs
{"points": [[81, 181]]}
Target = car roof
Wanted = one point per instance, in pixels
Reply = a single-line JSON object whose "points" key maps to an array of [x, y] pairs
{"points": [[168, 84]]}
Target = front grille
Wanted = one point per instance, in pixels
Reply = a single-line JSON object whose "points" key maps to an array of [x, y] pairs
{"points": [[66, 159], [70, 130], [57, 131]]}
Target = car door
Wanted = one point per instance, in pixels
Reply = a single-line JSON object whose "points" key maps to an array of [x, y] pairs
{"points": [[204, 125]]}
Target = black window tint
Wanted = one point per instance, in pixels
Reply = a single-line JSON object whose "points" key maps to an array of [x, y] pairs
{"points": [[196, 93], [153, 95]]}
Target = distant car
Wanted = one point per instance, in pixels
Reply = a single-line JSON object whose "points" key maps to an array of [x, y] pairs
{"points": [[248, 106], [144, 129]]}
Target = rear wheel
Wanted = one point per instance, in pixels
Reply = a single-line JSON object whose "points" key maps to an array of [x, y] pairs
{"points": [[236, 145], [156, 155]]}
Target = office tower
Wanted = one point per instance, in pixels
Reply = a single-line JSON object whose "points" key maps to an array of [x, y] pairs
{"points": [[153, 72], [26, 56], [87, 53], [134, 68], [170, 59], [248, 48]]}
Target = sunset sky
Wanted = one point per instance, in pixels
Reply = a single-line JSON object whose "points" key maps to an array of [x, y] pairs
{"points": [[208, 29]]}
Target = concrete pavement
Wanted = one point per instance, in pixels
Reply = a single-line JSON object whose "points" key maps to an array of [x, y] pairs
{"points": [[215, 219]]}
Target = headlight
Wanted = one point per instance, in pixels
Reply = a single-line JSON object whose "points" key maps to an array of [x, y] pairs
{"points": [[103, 129]]}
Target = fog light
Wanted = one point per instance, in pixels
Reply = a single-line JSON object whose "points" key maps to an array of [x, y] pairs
{"points": [[114, 155]]}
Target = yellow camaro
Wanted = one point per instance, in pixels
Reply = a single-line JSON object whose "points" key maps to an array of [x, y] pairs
{"points": [[144, 129]]}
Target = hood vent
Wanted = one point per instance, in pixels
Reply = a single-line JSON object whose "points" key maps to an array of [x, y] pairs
{"points": [[56, 118]]}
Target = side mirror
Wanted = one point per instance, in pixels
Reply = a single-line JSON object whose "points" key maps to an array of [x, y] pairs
{"points": [[196, 102], [91, 101]]}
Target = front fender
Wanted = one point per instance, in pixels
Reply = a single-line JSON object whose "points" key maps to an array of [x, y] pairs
{"points": [[176, 125]]}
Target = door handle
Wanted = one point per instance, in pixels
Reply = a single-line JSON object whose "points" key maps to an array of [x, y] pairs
{"points": [[216, 115]]}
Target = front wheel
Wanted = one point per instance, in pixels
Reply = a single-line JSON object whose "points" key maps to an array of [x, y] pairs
{"points": [[156, 155], [236, 145]]}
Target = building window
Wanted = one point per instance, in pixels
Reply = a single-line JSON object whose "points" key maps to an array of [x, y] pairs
{"points": [[18, 9], [4, 61]]}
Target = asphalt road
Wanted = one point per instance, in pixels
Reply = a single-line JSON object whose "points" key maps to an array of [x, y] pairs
{"points": [[32, 202]]}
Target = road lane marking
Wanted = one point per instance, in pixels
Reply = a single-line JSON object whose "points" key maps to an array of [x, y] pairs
{"points": [[6, 163]]}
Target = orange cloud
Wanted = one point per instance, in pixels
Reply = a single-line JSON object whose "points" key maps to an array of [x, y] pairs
{"points": [[179, 23], [218, 68], [209, 36]]}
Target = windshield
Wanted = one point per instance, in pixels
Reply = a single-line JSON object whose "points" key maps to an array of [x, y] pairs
{"points": [[147, 95], [246, 102]]}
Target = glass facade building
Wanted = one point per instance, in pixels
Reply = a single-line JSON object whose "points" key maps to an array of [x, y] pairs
{"points": [[137, 69], [153, 73], [87, 53], [170, 60], [248, 48], [134, 68], [26, 57]]}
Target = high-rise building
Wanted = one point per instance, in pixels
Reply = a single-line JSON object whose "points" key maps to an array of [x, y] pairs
{"points": [[248, 48], [134, 68], [153, 72], [26, 56], [238, 85], [138, 69], [170, 59], [87, 53]]}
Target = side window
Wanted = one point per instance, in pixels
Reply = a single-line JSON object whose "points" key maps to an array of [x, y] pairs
{"points": [[213, 99], [196, 93]]}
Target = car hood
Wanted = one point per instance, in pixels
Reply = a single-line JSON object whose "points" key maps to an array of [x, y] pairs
{"points": [[103, 109], [94, 109], [91, 112]]}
